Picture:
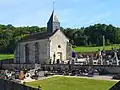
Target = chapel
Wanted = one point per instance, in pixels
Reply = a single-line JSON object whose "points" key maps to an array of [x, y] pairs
{"points": [[49, 47]]}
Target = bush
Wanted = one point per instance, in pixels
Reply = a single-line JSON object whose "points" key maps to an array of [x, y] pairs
{"points": [[94, 45], [74, 46], [107, 42]]}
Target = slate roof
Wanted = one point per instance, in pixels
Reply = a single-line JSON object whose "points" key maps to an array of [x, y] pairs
{"points": [[54, 17], [37, 36], [43, 35]]}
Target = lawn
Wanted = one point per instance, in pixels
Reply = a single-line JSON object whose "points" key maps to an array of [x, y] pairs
{"points": [[93, 49], [71, 83], [77, 49], [6, 56]]}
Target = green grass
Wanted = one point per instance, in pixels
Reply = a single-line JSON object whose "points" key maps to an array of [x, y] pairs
{"points": [[94, 49], [77, 49], [6, 56], [71, 83]]}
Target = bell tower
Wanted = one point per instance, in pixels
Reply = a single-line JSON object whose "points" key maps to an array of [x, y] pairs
{"points": [[53, 23]]}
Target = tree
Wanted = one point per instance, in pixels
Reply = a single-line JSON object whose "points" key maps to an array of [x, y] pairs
{"points": [[92, 35]]}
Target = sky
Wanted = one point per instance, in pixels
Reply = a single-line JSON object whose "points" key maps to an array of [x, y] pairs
{"points": [[71, 13]]}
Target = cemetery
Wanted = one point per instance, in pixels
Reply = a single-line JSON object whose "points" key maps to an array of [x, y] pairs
{"points": [[46, 60], [36, 77], [83, 66]]}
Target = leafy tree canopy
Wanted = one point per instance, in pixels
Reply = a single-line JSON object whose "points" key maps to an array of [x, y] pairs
{"points": [[84, 36]]}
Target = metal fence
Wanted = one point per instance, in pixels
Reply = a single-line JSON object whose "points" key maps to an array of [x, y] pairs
{"points": [[9, 85]]}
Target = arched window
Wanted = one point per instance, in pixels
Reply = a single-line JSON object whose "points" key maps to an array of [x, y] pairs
{"points": [[36, 52], [27, 53]]}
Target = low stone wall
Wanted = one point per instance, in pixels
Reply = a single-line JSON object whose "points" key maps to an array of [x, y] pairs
{"points": [[6, 61], [9, 85], [109, 69], [28, 66]]}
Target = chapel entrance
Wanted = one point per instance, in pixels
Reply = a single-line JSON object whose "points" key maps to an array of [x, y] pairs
{"points": [[59, 57]]}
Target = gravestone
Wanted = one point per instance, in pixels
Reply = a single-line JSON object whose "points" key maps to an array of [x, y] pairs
{"points": [[21, 76], [37, 66], [41, 74]]}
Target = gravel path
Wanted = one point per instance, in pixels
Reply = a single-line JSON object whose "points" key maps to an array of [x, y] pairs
{"points": [[108, 78]]}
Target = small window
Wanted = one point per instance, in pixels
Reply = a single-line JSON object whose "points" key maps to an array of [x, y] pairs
{"points": [[59, 46], [95, 63]]}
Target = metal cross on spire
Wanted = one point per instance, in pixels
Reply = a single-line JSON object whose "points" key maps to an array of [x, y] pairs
{"points": [[53, 5]]}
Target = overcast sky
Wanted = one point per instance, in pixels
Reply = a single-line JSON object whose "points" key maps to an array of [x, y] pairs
{"points": [[71, 13]]}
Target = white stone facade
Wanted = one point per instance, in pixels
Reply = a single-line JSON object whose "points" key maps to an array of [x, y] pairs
{"points": [[55, 45], [58, 46], [45, 48]]}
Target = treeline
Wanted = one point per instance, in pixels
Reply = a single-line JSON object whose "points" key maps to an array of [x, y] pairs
{"points": [[94, 35], [85, 36], [10, 35]]}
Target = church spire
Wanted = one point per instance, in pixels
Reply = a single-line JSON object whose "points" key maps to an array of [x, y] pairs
{"points": [[53, 23]]}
